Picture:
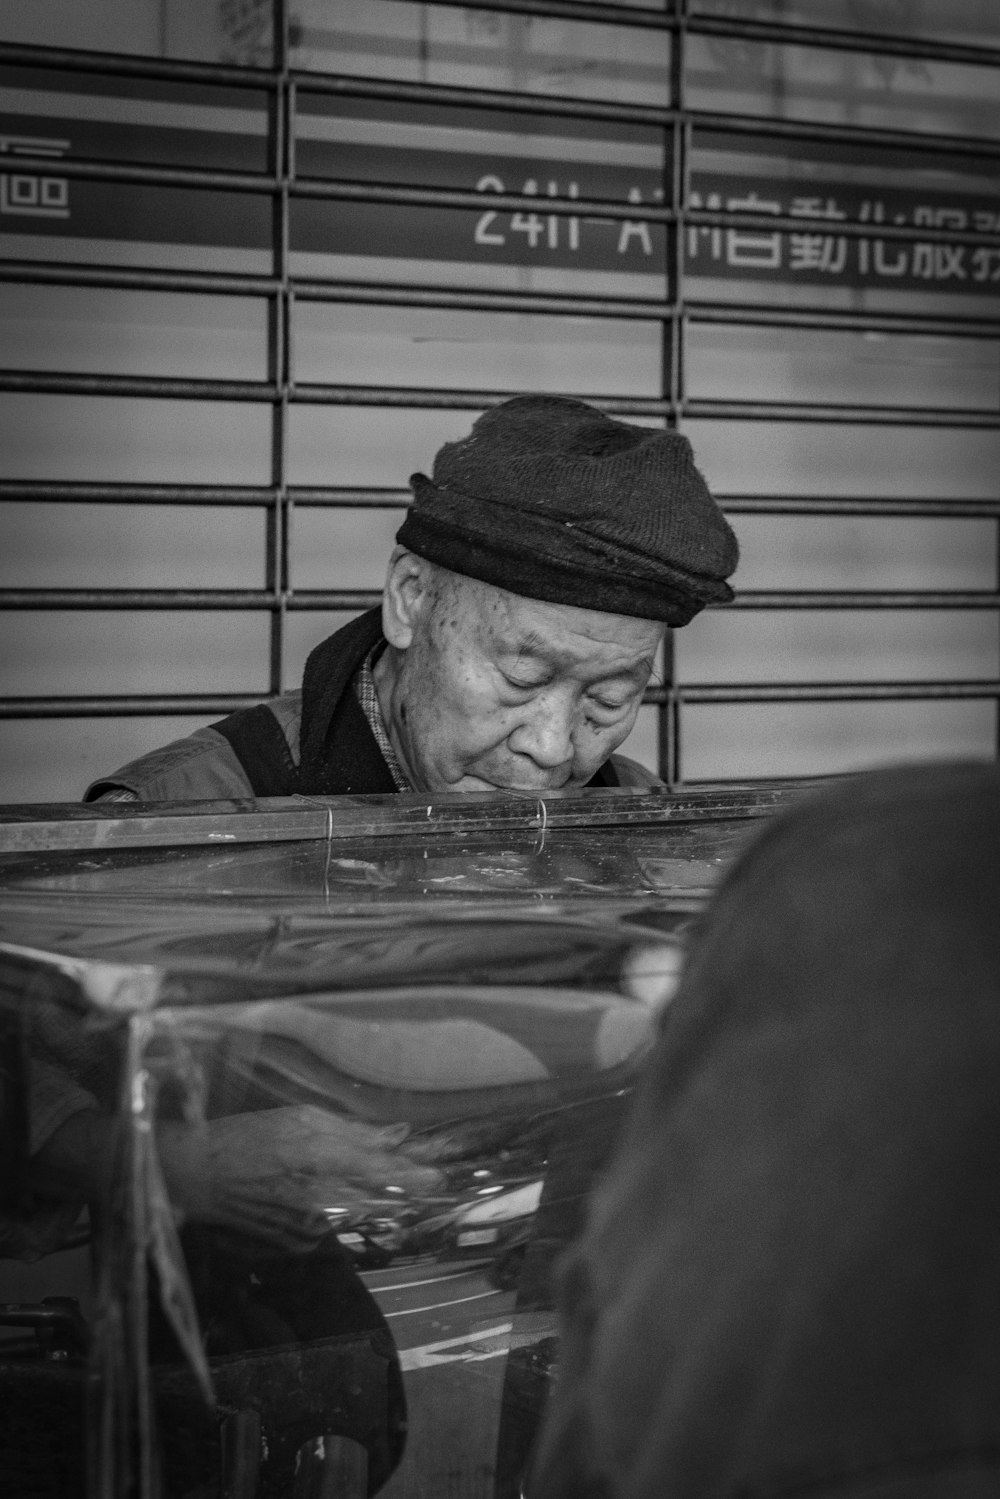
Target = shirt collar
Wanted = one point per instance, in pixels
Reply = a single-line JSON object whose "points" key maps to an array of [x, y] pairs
{"points": [[364, 689]]}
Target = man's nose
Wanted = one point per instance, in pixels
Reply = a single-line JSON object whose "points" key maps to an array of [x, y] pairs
{"points": [[545, 733]]}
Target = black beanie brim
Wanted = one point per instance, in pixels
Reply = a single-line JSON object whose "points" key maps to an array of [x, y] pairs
{"points": [[557, 562], [551, 499]]}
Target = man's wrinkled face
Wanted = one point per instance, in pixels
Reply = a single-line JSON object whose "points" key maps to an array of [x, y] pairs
{"points": [[485, 690]]}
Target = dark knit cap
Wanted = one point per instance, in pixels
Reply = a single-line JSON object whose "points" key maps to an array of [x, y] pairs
{"points": [[553, 500]]}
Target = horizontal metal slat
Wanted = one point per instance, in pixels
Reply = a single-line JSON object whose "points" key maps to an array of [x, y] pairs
{"points": [[129, 705], [76, 60], [568, 304], [29, 491], [962, 599], [715, 410], [833, 505], [843, 320], [185, 598], [975, 326], [862, 416], [209, 178], [712, 121], [391, 498], [435, 399], [346, 599], [592, 12], [827, 692], [128, 278], [42, 382]]}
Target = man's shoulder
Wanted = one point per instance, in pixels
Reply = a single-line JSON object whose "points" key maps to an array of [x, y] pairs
{"points": [[632, 774], [201, 766], [287, 709]]}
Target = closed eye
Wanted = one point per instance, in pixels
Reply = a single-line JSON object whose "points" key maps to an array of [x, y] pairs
{"points": [[610, 705], [519, 684]]}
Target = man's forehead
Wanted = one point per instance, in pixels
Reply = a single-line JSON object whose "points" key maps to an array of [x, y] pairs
{"points": [[536, 629]]}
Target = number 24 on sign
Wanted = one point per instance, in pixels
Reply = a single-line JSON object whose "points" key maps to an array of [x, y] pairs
{"points": [[548, 230]]}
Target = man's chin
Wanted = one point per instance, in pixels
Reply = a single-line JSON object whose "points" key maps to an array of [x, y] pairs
{"points": [[509, 788], [478, 783]]}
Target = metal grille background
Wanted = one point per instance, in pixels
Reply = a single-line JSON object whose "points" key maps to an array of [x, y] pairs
{"points": [[281, 183]]}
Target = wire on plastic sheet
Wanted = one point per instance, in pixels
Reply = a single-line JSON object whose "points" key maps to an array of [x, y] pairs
{"points": [[314, 802], [542, 819]]}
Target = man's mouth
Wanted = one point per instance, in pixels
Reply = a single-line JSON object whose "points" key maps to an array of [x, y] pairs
{"points": [[543, 790], [476, 783]]}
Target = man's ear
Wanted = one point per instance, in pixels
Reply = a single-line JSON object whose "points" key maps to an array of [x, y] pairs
{"points": [[407, 586]]}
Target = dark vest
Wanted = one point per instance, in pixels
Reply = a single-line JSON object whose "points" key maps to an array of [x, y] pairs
{"points": [[338, 752]]}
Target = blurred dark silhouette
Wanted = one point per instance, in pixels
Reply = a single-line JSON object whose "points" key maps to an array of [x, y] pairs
{"points": [[790, 1279]]}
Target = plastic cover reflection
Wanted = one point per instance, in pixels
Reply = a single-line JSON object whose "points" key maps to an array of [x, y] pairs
{"points": [[327, 1152]]}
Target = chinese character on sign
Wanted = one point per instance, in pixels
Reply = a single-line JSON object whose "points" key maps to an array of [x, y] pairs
{"points": [[810, 251], [923, 261], [940, 262], [28, 193], [909, 239], [985, 259], [874, 255], [699, 232], [940, 218], [749, 247], [985, 264]]}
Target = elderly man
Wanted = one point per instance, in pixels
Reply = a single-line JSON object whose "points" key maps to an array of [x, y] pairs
{"points": [[525, 601]]}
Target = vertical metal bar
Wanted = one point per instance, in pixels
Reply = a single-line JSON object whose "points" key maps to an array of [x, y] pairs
{"points": [[668, 731], [996, 584], [280, 353], [272, 514], [676, 194], [675, 762]]}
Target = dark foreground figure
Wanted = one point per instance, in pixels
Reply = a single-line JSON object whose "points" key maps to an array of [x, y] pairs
{"points": [[790, 1281]]}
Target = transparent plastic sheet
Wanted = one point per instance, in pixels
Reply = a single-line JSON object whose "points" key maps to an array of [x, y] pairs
{"points": [[328, 1128], [67, 1378], [350, 1094], [404, 1124]]}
